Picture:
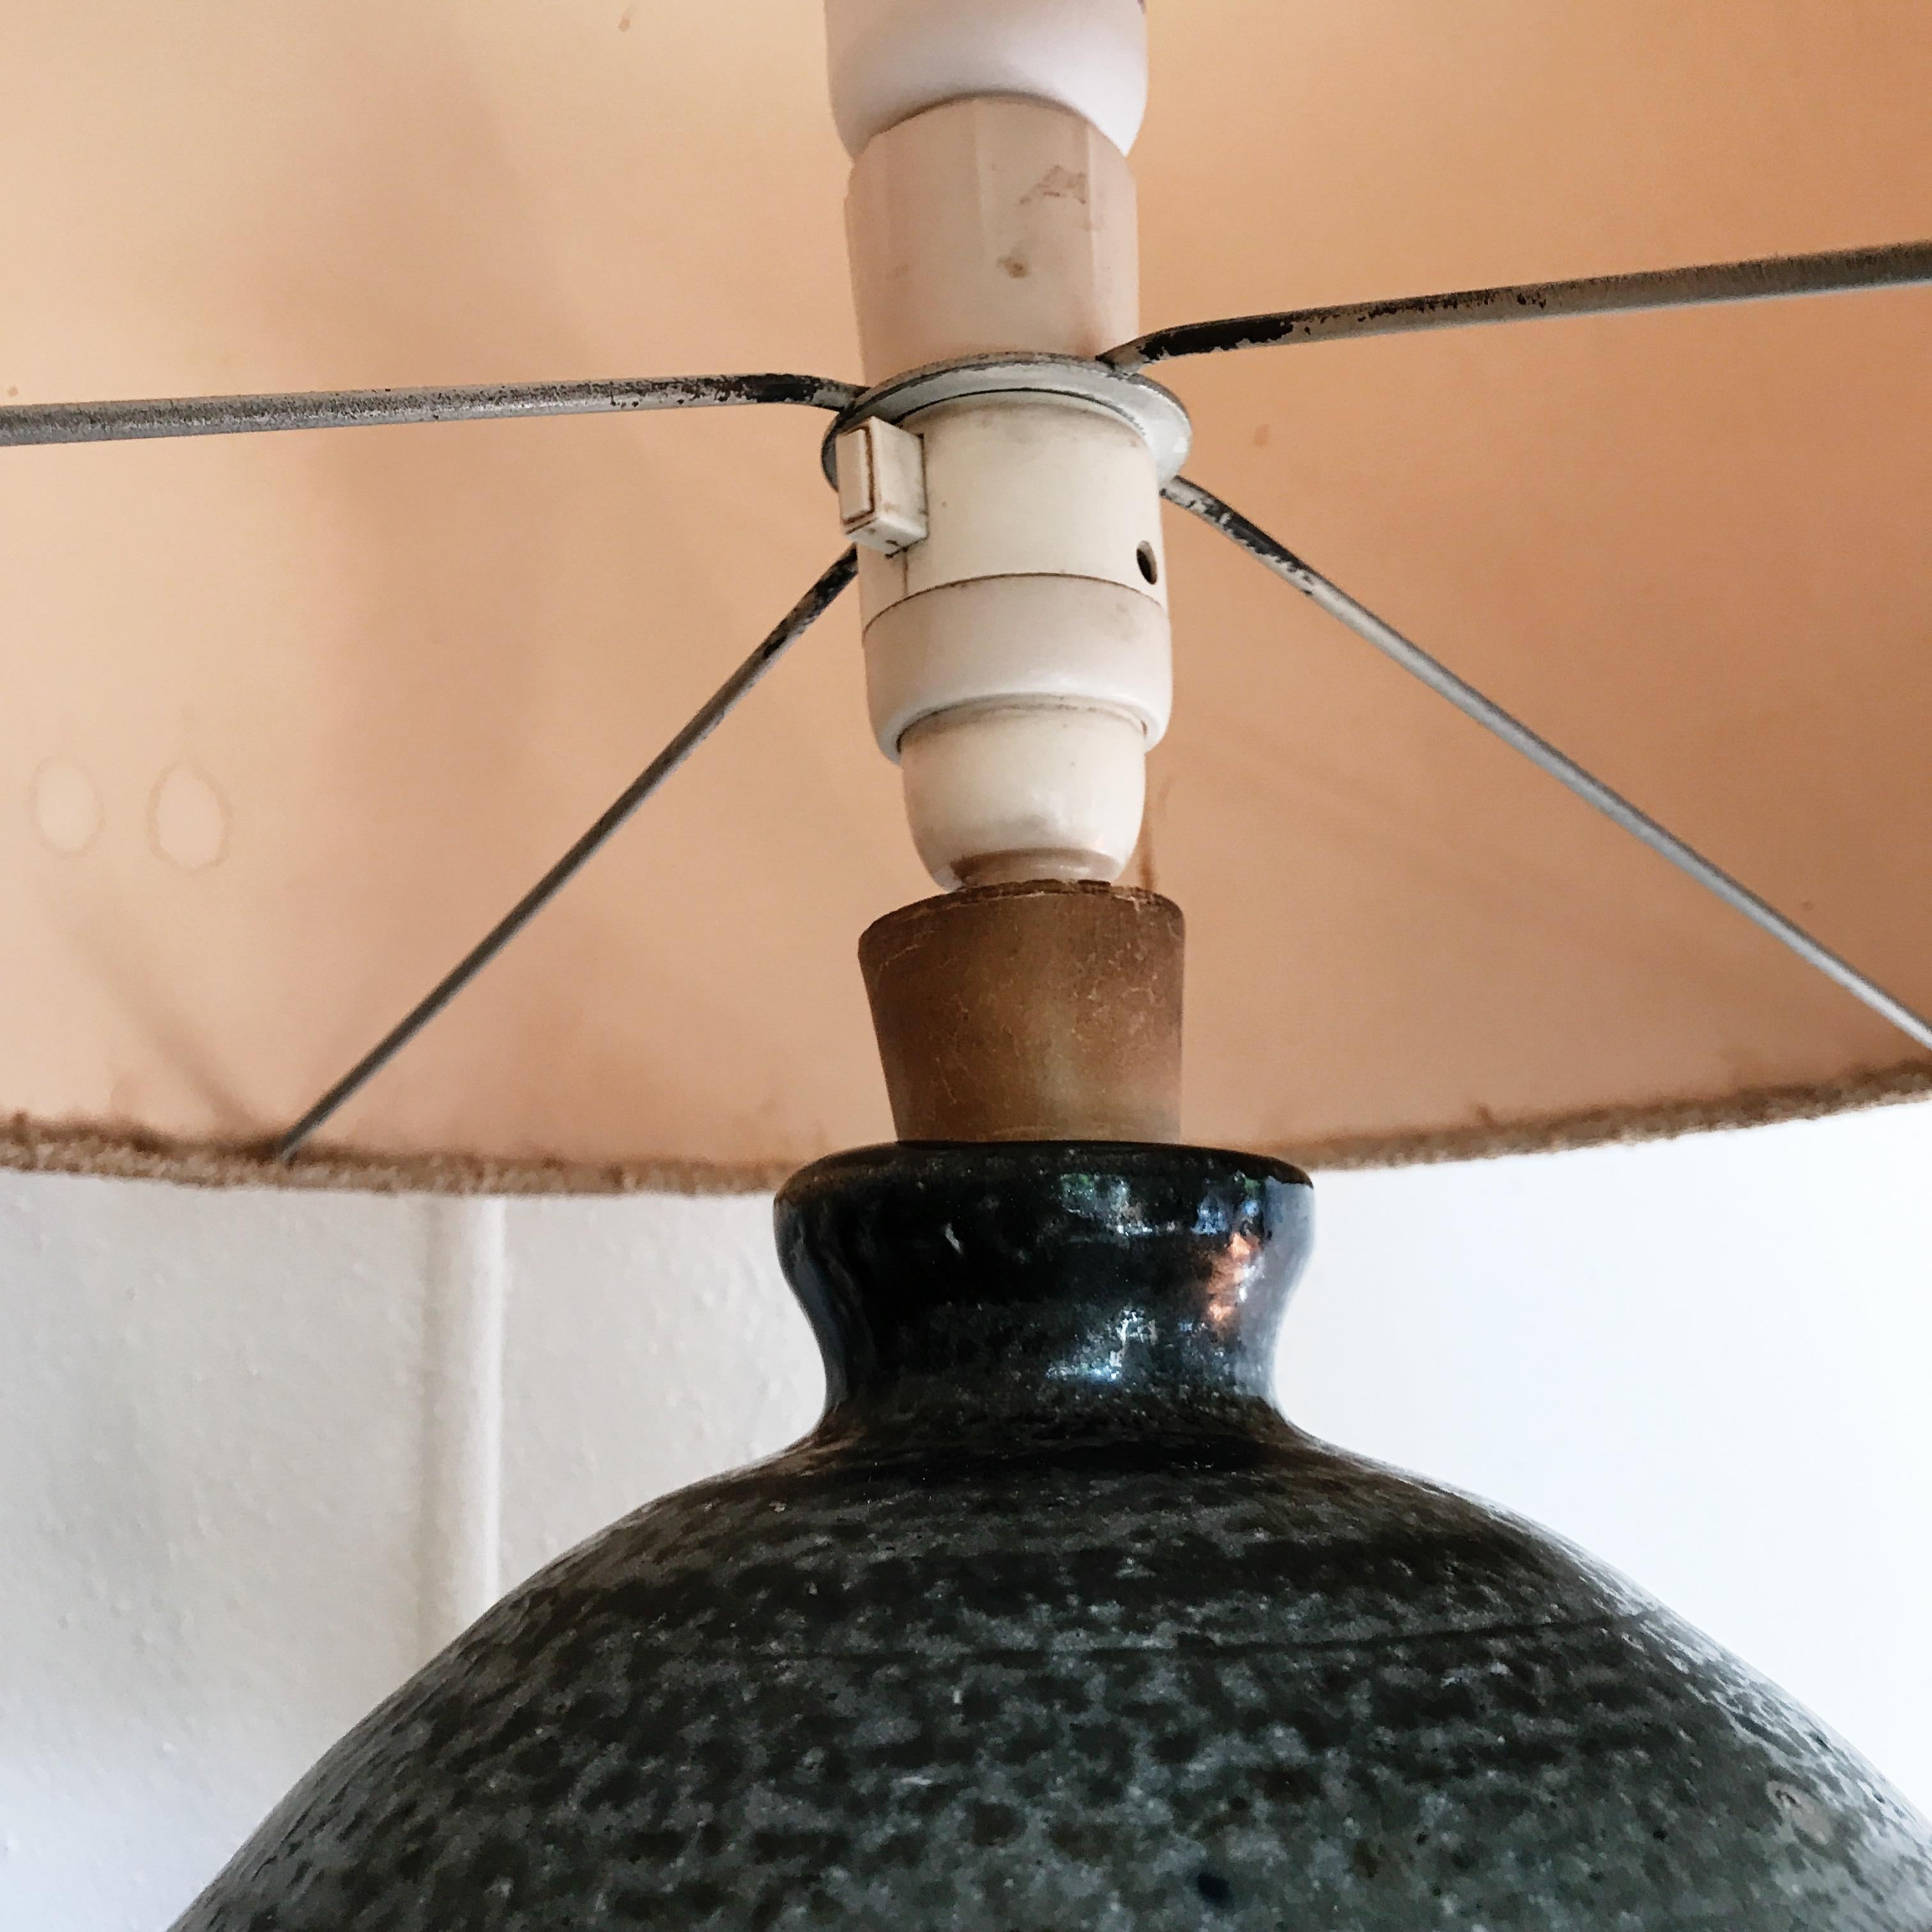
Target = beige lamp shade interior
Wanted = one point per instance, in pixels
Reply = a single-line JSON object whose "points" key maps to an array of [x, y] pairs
{"points": [[289, 719]]}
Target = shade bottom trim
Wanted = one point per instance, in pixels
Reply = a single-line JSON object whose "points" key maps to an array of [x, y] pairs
{"points": [[28, 1145]]}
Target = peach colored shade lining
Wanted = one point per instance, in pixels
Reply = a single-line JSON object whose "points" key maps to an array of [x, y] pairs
{"points": [[289, 719]]}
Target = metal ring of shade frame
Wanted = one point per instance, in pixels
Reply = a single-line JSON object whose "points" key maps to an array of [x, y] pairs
{"points": [[1156, 414]]}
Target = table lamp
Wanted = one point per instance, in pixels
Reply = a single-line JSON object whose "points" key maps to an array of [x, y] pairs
{"points": [[1594, 806]]}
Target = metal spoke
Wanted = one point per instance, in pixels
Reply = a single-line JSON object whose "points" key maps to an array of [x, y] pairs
{"points": [[1471, 702], [354, 409], [1899, 266], [793, 626]]}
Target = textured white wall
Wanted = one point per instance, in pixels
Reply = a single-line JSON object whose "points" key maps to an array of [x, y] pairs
{"points": [[243, 1460]]}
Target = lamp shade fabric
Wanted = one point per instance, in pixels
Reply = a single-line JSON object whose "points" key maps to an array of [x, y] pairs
{"points": [[290, 719]]}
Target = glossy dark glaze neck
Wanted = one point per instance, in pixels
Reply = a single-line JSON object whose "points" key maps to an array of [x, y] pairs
{"points": [[1044, 1279]]}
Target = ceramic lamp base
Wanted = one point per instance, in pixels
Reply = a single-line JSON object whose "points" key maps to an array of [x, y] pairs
{"points": [[1054, 1621]]}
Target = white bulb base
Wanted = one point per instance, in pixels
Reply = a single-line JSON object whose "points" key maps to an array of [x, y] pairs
{"points": [[890, 59]]}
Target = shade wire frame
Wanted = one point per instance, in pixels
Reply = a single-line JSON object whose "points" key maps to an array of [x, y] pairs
{"points": [[1277, 557], [1841, 271], [710, 715], [24, 423]]}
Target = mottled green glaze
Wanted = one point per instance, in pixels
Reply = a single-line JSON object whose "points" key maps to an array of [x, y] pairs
{"points": [[1055, 1625]]}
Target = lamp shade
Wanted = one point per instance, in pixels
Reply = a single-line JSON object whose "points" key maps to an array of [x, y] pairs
{"points": [[291, 719]]}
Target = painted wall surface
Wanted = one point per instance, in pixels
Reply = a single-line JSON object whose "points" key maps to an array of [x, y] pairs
{"points": [[247, 1442]]}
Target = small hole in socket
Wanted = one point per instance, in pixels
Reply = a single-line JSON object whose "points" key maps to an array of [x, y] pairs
{"points": [[1150, 566]]}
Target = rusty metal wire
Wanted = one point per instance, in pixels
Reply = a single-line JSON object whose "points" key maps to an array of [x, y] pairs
{"points": [[1277, 557], [1901, 264], [21, 423], [790, 628]]}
